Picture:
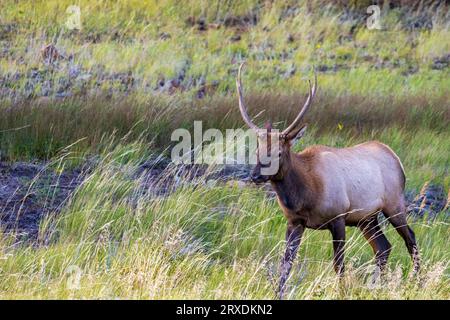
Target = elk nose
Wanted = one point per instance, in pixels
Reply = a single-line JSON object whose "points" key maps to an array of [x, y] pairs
{"points": [[256, 178]]}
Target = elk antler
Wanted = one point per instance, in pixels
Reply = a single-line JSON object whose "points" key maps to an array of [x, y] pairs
{"points": [[242, 107], [312, 93]]}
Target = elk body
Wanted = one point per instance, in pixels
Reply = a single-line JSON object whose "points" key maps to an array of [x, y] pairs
{"points": [[331, 188]]}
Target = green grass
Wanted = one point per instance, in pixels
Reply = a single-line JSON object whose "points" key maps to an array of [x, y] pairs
{"points": [[84, 127], [122, 36], [213, 241], [207, 242]]}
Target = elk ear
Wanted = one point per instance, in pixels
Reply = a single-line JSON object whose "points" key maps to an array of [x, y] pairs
{"points": [[296, 134]]}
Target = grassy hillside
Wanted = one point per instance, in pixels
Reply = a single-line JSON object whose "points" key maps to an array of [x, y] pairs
{"points": [[116, 89], [199, 46]]}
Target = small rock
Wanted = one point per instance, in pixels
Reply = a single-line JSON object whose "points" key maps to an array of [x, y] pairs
{"points": [[74, 71], [202, 25], [410, 70], [63, 94], [429, 202], [164, 36], [322, 68], [235, 38], [290, 38], [51, 54], [441, 63]]}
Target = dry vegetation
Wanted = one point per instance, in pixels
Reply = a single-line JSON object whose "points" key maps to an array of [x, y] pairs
{"points": [[137, 70]]}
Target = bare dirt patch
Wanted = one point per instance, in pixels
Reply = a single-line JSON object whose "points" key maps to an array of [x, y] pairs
{"points": [[30, 191]]}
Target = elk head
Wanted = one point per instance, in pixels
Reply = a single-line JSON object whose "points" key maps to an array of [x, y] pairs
{"points": [[274, 147]]}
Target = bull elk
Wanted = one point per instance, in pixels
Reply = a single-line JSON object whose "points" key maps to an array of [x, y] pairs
{"points": [[331, 188]]}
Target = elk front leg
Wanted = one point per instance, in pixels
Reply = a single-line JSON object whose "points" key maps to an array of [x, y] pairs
{"points": [[337, 228], [293, 236]]}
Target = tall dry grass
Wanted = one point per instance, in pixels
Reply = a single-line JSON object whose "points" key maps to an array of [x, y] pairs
{"points": [[37, 129], [203, 241]]}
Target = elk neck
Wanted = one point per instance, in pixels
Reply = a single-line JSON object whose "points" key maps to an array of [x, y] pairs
{"points": [[298, 187]]}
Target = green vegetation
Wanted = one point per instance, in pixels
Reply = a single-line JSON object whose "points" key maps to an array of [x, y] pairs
{"points": [[137, 70], [159, 40], [206, 242]]}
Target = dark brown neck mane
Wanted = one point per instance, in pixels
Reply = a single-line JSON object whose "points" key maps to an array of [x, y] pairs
{"points": [[299, 186]]}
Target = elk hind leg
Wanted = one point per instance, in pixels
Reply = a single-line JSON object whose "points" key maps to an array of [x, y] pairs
{"points": [[377, 240], [396, 215]]}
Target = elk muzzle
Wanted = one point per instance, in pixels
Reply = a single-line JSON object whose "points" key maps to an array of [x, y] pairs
{"points": [[256, 175]]}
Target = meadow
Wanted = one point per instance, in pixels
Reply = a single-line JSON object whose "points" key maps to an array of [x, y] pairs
{"points": [[137, 70]]}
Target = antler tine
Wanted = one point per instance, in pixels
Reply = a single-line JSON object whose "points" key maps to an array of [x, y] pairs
{"points": [[242, 107], [312, 93]]}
